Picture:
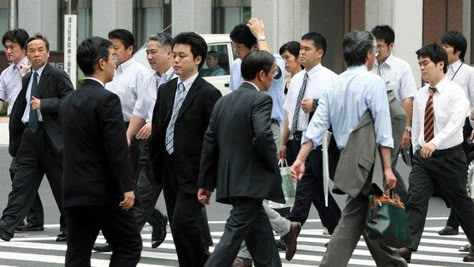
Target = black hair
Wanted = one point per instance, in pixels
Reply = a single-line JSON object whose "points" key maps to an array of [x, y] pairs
{"points": [[384, 32], [123, 35], [90, 51], [435, 53], [457, 41], [37, 36], [318, 40], [355, 47], [241, 34], [255, 62], [195, 41], [19, 36], [293, 47]]}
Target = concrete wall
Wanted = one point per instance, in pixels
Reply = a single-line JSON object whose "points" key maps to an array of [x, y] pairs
{"points": [[406, 19], [191, 16], [111, 14], [40, 17]]}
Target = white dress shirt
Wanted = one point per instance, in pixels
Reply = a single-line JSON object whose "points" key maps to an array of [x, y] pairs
{"points": [[129, 81], [398, 77], [26, 114], [10, 83], [450, 107], [319, 77], [463, 74]]}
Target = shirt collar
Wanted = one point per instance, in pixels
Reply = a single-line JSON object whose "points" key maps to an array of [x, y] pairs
{"points": [[189, 82], [314, 70], [388, 61], [360, 68], [456, 64], [169, 73], [94, 79], [256, 88], [122, 67], [40, 70], [441, 85]]}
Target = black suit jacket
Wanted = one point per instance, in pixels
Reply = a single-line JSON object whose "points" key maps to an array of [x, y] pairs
{"points": [[96, 169], [239, 156], [191, 124], [54, 86]]}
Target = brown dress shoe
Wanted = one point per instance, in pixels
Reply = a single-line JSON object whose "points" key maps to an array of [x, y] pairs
{"points": [[290, 240], [242, 262], [405, 253]]}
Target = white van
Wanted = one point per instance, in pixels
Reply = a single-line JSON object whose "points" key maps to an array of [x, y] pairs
{"points": [[220, 46]]}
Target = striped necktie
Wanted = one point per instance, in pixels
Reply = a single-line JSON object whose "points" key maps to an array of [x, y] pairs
{"points": [[294, 123], [178, 101], [429, 116]]}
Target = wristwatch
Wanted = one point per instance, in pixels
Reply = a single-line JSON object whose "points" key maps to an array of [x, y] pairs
{"points": [[408, 128]]}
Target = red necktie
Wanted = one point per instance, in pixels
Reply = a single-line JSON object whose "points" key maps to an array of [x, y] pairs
{"points": [[429, 116]]}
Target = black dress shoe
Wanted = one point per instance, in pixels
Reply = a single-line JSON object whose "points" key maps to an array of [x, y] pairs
{"points": [[102, 248], [448, 230], [280, 243], [5, 236], [158, 234], [30, 228], [61, 237], [405, 253], [290, 240]]}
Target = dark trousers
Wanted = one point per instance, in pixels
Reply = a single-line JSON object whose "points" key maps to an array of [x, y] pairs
{"points": [[117, 225], [185, 215], [247, 222], [35, 215], [452, 220], [35, 157], [310, 190], [441, 171]]}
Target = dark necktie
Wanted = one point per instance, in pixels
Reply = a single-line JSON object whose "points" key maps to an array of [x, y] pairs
{"points": [[429, 116], [33, 120], [169, 142], [294, 123]]}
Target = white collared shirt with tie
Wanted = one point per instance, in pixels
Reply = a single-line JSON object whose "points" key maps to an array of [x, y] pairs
{"points": [[463, 74]]}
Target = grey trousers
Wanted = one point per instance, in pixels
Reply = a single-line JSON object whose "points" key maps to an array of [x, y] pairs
{"points": [[344, 239], [279, 224]]}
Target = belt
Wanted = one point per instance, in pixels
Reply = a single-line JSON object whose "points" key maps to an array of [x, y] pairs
{"points": [[274, 121], [447, 150]]}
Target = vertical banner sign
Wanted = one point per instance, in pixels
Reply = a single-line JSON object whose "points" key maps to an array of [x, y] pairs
{"points": [[70, 47]]}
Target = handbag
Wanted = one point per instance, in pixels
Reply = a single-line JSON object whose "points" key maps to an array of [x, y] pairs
{"points": [[387, 221], [287, 185]]}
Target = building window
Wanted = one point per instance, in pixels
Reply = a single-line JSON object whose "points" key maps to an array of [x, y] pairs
{"points": [[84, 20], [148, 20], [228, 13], [4, 18]]}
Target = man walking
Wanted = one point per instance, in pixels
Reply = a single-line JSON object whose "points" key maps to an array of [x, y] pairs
{"points": [[239, 161], [98, 184]]}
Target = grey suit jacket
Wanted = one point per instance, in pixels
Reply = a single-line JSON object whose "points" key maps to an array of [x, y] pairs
{"points": [[398, 118]]}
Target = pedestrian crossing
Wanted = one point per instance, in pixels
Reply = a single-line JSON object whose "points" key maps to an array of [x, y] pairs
{"points": [[40, 249]]}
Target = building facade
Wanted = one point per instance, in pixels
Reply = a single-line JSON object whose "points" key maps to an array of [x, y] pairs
{"points": [[416, 22]]}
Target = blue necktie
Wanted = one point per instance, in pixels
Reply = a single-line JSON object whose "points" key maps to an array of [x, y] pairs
{"points": [[33, 120], [178, 101]]}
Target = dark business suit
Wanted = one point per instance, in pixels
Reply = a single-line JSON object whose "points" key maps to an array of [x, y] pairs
{"points": [[179, 171], [239, 160], [97, 171], [36, 153]]}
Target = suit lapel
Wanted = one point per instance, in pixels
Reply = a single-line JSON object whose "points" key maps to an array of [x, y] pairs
{"points": [[193, 92], [43, 82]]}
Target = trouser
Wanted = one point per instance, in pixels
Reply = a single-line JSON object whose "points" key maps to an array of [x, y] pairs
{"points": [[35, 215], [442, 171], [35, 157], [248, 221], [117, 225], [347, 234]]}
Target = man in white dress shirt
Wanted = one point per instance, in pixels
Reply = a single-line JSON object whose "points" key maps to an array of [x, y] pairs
{"points": [[439, 111], [398, 78], [455, 45]]}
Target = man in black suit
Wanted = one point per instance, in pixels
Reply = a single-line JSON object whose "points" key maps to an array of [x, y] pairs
{"points": [[180, 118], [35, 137], [239, 159], [98, 184]]}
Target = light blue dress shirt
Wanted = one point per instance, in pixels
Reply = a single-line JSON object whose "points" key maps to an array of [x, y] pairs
{"points": [[275, 91], [26, 114], [342, 106]]}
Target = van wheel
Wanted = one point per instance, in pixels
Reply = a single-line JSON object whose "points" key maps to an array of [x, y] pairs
{"points": [[470, 180]]}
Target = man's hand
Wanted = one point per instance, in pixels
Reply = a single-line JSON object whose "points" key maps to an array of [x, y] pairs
{"points": [[204, 196], [427, 150], [297, 170], [282, 153], [256, 27], [35, 103], [405, 139], [390, 179], [24, 69], [144, 132], [128, 200], [307, 105], [472, 135]]}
